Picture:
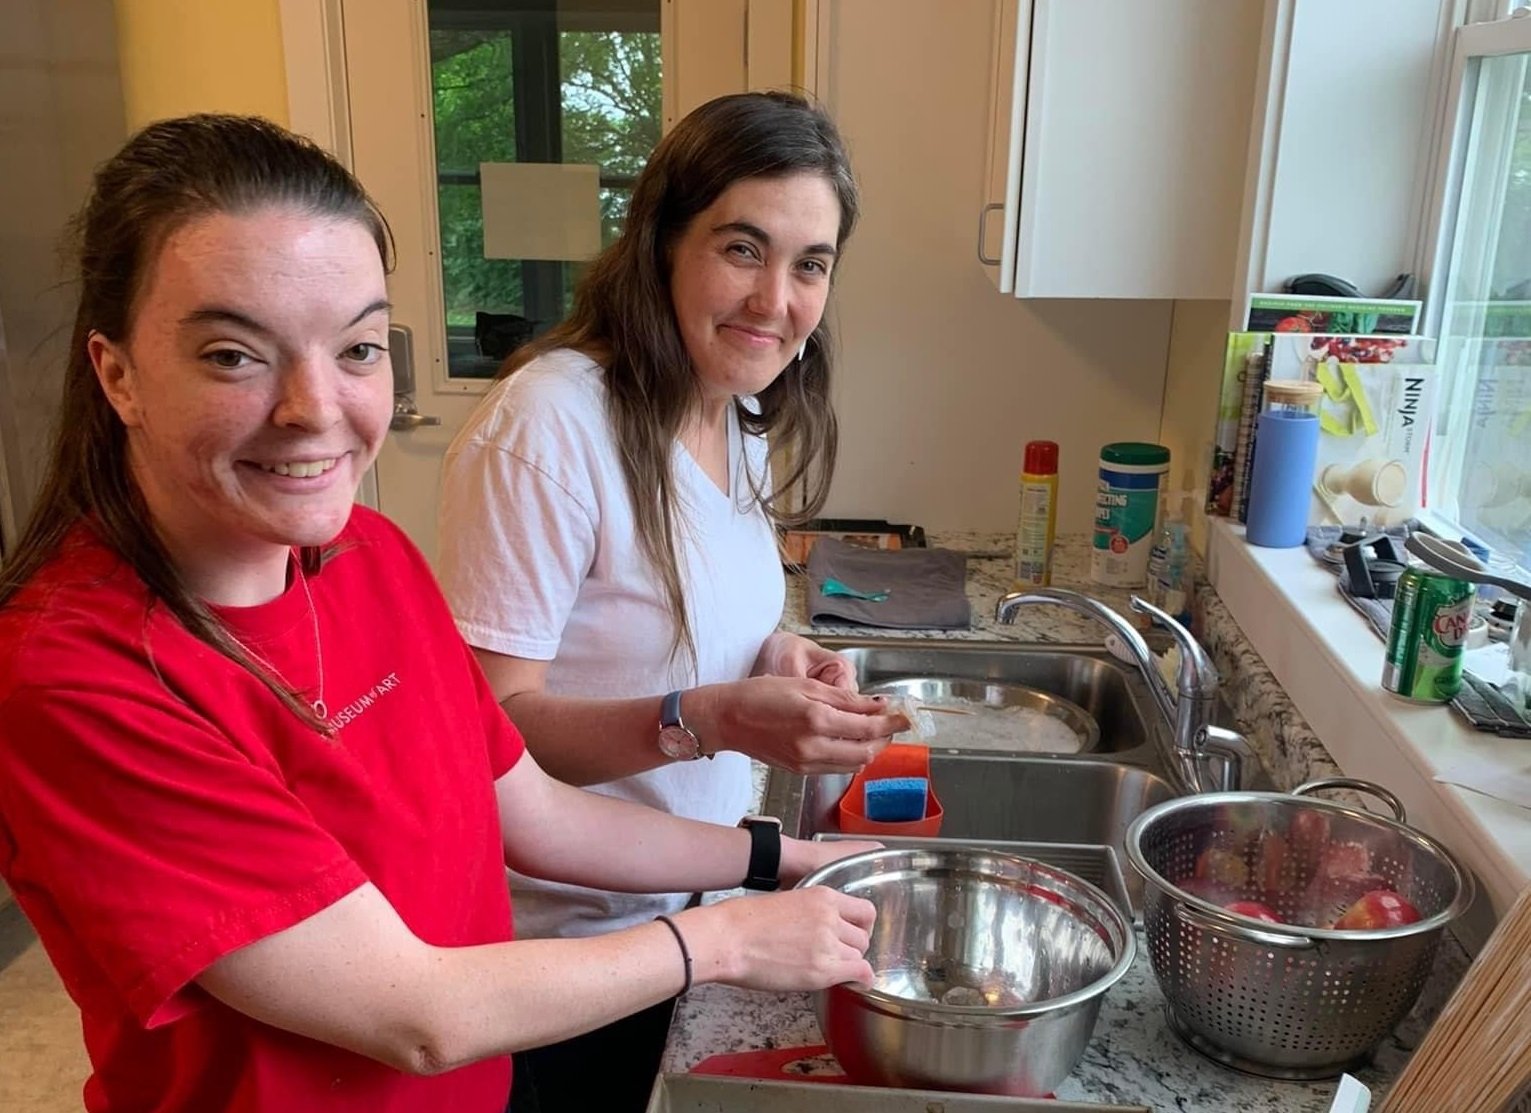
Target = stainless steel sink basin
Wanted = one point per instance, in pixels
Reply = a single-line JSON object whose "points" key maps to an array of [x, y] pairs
{"points": [[991, 797], [1086, 798], [1111, 692]]}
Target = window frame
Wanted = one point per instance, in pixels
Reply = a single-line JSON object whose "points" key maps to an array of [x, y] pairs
{"points": [[1504, 29], [1508, 34], [534, 30]]}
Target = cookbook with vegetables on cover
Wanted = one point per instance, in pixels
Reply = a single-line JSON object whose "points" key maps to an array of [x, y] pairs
{"points": [[1374, 420]]}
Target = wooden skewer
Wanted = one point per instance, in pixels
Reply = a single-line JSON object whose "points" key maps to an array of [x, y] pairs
{"points": [[945, 710], [1477, 1056]]}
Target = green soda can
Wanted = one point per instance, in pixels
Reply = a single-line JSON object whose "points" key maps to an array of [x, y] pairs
{"points": [[1424, 645]]}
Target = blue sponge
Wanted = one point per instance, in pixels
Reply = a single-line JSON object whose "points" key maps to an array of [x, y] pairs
{"points": [[896, 799]]}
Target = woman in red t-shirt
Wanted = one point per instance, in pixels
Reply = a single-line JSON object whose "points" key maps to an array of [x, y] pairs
{"points": [[254, 792]]}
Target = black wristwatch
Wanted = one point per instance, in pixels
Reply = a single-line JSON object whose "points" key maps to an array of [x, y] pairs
{"points": [[676, 740], [764, 873]]}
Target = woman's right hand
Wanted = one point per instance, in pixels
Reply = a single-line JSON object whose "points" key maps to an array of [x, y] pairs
{"points": [[794, 723], [803, 939]]}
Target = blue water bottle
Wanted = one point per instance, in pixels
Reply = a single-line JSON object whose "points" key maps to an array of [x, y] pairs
{"points": [[1286, 447]]}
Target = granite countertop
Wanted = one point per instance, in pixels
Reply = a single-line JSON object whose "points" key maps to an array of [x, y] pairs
{"points": [[1133, 1056], [988, 577]]}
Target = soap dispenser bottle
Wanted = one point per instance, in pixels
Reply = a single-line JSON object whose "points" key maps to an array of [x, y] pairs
{"points": [[1169, 563]]}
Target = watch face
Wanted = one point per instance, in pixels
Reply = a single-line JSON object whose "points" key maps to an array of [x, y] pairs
{"points": [[678, 743]]}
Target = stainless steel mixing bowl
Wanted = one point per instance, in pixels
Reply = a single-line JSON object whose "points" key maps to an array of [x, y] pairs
{"points": [[989, 970]]}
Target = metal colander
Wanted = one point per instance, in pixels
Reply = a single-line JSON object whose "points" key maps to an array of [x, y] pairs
{"points": [[1285, 1000]]}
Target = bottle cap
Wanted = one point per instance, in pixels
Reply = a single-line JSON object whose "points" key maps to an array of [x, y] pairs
{"points": [[1135, 454], [1298, 393], [1041, 458]]}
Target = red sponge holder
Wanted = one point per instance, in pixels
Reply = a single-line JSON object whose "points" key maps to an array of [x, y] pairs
{"points": [[898, 759]]}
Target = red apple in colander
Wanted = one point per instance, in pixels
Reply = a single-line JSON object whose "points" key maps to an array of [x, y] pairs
{"points": [[1255, 910], [1325, 899], [1223, 867], [1208, 890], [1380, 908]]}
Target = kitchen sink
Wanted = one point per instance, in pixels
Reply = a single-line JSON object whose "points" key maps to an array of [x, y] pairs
{"points": [[1008, 797], [1111, 692], [989, 797]]}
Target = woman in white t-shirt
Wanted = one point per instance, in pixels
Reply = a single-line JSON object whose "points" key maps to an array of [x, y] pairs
{"points": [[608, 523]]}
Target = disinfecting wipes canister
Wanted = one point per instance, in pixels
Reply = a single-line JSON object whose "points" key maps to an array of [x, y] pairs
{"points": [[1127, 501]]}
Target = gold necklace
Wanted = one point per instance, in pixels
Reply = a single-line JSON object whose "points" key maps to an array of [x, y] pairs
{"points": [[320, 708]]}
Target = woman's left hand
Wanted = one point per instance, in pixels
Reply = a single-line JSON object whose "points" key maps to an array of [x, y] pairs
{"points": [[800, 857], [785, 654]]}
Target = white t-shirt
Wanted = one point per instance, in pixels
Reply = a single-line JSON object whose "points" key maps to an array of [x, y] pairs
{"points": [[539, 558]]}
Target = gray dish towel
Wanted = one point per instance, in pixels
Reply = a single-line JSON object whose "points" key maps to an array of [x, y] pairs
{"points": [[927, 588]]}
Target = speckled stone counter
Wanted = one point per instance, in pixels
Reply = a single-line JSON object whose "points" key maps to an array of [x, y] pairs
{"points": [[990, 571], [1133, 1057]]}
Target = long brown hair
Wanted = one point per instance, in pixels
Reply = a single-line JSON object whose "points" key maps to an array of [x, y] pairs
{"points": [[623, 312], [168, 174]]}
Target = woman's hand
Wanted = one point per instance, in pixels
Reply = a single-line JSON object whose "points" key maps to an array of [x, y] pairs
{"points": [[800, 857], [784, 654], [804, 939], [799, 724]]}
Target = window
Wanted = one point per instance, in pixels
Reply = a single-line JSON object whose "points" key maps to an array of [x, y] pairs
{"points": [[1479, 475], [532, 81]]}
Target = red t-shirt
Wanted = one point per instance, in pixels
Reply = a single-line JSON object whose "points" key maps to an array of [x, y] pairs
{"points": [[159, 808]]}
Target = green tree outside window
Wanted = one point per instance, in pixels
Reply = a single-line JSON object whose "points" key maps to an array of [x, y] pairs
{"points": [[610, 102]]}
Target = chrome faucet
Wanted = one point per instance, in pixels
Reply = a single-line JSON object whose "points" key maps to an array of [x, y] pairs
{"points": [[1188, 710]]}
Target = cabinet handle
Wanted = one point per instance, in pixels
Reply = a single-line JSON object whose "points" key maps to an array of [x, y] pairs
{"points": [[983, 223]]}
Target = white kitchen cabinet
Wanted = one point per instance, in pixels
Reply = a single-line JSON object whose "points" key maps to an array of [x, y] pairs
{"points": [[1119, 142], [1346, 113]]}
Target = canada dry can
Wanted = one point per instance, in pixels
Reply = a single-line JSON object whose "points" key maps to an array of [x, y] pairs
{"points": [[1424, 645]]}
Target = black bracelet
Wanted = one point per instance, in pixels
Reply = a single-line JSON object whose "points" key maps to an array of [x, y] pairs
{"points": [[684, 953]]}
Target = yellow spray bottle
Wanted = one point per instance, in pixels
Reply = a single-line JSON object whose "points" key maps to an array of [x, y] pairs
{"points": [[1039, 513]]}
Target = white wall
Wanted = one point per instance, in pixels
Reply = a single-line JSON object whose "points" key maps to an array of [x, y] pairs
{"points": [[60, 114], [942, 379], [1193, 380], [220, 56]]}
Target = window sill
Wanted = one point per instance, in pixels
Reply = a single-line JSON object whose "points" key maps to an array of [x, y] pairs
{"points": [[1329, 662]]}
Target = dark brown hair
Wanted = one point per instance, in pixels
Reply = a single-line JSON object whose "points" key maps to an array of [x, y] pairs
{"points": [[624, 317], [169, 174]]}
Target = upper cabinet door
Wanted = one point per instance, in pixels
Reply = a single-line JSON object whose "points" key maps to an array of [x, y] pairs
{"points": [[1346, 118], [1132, 122], [1001, 213]]}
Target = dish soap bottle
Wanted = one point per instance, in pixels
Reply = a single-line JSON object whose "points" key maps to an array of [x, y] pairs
{"points": [[1169, 564], [1038, 517]]}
